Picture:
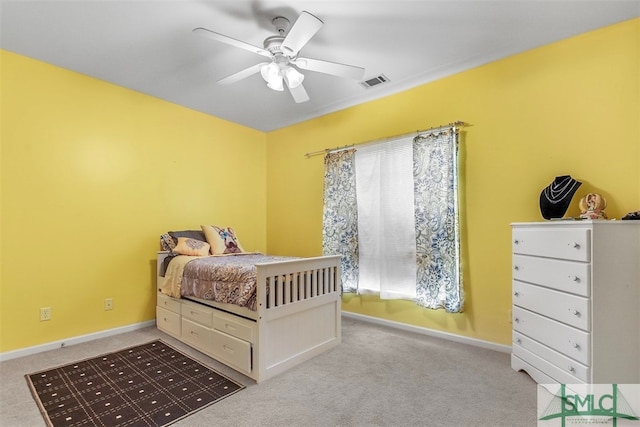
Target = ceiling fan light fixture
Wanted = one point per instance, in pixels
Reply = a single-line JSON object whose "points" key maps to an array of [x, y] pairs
{"points": [[294, 77], [276, 84], [273, 76]]}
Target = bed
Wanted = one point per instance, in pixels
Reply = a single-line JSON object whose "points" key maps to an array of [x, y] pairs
{"points": [[289, 314]]}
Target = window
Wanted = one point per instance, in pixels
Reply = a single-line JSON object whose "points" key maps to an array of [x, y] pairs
{"points": [[391, 212]]}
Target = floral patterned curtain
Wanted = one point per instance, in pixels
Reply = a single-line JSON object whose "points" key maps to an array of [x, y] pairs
{"points": [[435, 160], [340, 215], [435, 172]]}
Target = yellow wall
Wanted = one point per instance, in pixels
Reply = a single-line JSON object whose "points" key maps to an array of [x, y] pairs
{"points": [[571, 107], [91, 174]]}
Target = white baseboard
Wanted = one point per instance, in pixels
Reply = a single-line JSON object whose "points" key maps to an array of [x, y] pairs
{"points": [[384, 322], [74, 340], [430, 332]]}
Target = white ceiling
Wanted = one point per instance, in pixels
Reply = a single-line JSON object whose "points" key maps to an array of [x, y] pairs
{"points": [[148, 46]]}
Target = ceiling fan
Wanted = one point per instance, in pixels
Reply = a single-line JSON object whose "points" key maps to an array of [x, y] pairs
{"points": [[282, 50]]}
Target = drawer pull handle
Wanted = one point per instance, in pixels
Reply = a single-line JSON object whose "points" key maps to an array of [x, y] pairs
{"points": [[194, 333], [518, 340], [576, 279], [516, 242], [516, 319], [227, 348], [516, 268], [575, 312], [576, 245], [575, 345], [228, 326], [516, 294], [572, 369], [194, 313]]}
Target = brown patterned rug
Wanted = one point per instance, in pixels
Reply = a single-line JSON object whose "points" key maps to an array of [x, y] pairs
{"points": [[148, 385]]}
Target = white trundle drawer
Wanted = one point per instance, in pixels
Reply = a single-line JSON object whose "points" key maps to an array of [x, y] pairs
{"points": [[560, 337], [231, 350], [168, 303], [566, 276], [560, 361], [234, 326], [198, 313], [168, 321], [196, 335], [553, 242], [561, 376], [571, 309]]}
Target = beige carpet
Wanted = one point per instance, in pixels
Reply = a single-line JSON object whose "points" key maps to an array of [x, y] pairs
{"points": [[377, 377]]}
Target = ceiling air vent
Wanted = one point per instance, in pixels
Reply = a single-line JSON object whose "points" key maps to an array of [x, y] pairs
{"points": [[375, 81]]}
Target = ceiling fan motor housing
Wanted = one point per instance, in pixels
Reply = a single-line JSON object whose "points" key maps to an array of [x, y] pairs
{"points": [[273, 44]]}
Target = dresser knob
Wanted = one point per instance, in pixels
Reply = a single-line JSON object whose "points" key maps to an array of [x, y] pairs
{"points": [[572, 369], [576, 245], [575, 312], [518, 341], [516, 268], [516, 294], [516, 242], [575, 345], [517, 320], [575, 279]]}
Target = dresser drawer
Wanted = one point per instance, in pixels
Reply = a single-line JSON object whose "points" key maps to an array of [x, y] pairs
{"points": [[553, 242], [168, 321], [567, 308], [231, 350], [560, 337], [198, 313], [566, 276], [549, 369], [196, 335], [560, 361], [168, 303], [234, 326]]}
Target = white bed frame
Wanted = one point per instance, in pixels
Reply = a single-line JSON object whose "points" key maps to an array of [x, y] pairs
{"points": [[298, 321]]}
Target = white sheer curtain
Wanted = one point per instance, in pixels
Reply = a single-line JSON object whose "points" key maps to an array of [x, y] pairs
{"points": [[386, 223]]}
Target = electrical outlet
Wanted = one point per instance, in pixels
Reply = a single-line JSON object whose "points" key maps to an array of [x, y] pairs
{"points": [[108, 304], [45, 314]]}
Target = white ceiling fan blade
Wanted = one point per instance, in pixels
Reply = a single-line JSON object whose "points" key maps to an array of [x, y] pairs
{"points": [[327, 67], [242, 74], [305, 27], [298, 93], [231, 41]]}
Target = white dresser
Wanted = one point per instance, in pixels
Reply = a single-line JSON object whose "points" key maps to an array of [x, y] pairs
{"points": [[576, 301]]}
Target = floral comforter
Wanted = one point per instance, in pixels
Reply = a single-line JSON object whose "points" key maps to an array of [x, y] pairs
{"points": [[228, 279]]}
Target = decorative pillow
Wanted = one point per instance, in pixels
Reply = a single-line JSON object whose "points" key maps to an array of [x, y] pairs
{"points": [[193, 247], [222, 240], [191, 234], [166, 242]]}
